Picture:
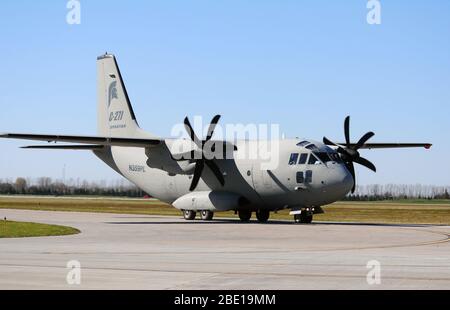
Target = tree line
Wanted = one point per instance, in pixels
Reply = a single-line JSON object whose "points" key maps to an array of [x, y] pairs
{"points": [[48, 186], [123, 188], [399, 191]]}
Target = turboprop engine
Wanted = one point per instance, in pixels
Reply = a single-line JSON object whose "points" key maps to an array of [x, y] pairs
{"points": [[210, 201]]}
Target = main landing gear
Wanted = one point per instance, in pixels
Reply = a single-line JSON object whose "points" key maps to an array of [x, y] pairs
{"points": [[205, 215], [189, 215], [245, 215], [261, 215]]}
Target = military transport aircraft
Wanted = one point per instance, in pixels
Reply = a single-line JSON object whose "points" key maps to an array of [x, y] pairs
{"points": [[308, 176]]}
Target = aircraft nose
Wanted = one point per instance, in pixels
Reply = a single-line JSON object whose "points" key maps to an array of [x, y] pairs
{"points": [[343, 181]]}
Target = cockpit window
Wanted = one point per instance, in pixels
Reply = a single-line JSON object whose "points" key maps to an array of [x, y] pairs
{"points": [[303, 158], [303, 143], [313, 160], [323, 157], [293, 160]]}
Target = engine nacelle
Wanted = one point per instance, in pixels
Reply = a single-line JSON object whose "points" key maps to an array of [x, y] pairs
{"points": [[160, 157], [210, 201]]}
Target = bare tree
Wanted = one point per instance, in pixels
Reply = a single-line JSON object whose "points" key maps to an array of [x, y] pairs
{"points": [[20, 185]]}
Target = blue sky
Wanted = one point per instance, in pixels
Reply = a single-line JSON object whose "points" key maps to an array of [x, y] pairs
{"points": [[302, 64]]}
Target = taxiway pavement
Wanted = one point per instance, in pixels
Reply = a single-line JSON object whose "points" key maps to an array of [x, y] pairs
{"points": [[118, 251]]}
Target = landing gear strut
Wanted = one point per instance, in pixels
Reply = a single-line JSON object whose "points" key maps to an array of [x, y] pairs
{"points": [[245, 215], [304, 218], [207, 215], [262, 215], [189, 215]]}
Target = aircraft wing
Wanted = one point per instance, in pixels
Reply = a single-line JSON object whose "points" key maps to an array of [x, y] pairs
{"points": [[92, 140], [389, 145], [85, 147]]}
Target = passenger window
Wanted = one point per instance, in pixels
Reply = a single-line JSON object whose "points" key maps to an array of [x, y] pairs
{"points": [[303, 159], [300, 177], [312, 160], [293, 160], [308, 177]]}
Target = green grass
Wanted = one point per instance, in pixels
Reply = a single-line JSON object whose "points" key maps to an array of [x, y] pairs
{"points": [[10, 229], [407, 212]]}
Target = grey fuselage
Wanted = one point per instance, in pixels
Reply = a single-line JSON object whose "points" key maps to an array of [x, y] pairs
{"points": [[288, 185]]}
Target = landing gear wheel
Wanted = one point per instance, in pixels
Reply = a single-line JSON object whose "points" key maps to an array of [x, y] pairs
{"points": [[245, 215], [189, 215], [207, 215], [262, 215], [303, 218]]}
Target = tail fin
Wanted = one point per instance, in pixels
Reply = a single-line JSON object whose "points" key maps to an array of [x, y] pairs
{"points": [[115, 114]]}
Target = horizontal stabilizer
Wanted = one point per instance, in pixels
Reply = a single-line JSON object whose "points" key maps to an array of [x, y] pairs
{"points": [[64, 147]]}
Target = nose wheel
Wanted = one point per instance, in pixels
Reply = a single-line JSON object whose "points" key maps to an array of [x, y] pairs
{"points": [[304, 218]]}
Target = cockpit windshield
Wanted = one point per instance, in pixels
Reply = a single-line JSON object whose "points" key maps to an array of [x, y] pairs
{"points": [[323, 157], [327, 157]]}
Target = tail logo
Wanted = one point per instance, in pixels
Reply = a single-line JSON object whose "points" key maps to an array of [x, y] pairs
{"points": [[112, 92]]}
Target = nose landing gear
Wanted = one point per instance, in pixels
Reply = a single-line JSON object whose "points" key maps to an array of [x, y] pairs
{"points": [[303, 218], [304, 215]]}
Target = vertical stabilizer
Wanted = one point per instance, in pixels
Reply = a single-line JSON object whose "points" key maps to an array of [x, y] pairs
{"points": [[116, 117]]}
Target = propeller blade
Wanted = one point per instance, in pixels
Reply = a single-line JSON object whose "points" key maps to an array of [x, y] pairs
{"points": [[328, 141], [191, 133], [363, 140], [212, 127], [215, 169], [340, 148], [351, 168], [364, 162], [347, 130], [199, 165]]}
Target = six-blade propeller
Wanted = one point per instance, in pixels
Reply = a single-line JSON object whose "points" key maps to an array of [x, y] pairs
{"points": [[199, 157], [349, 152]]}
